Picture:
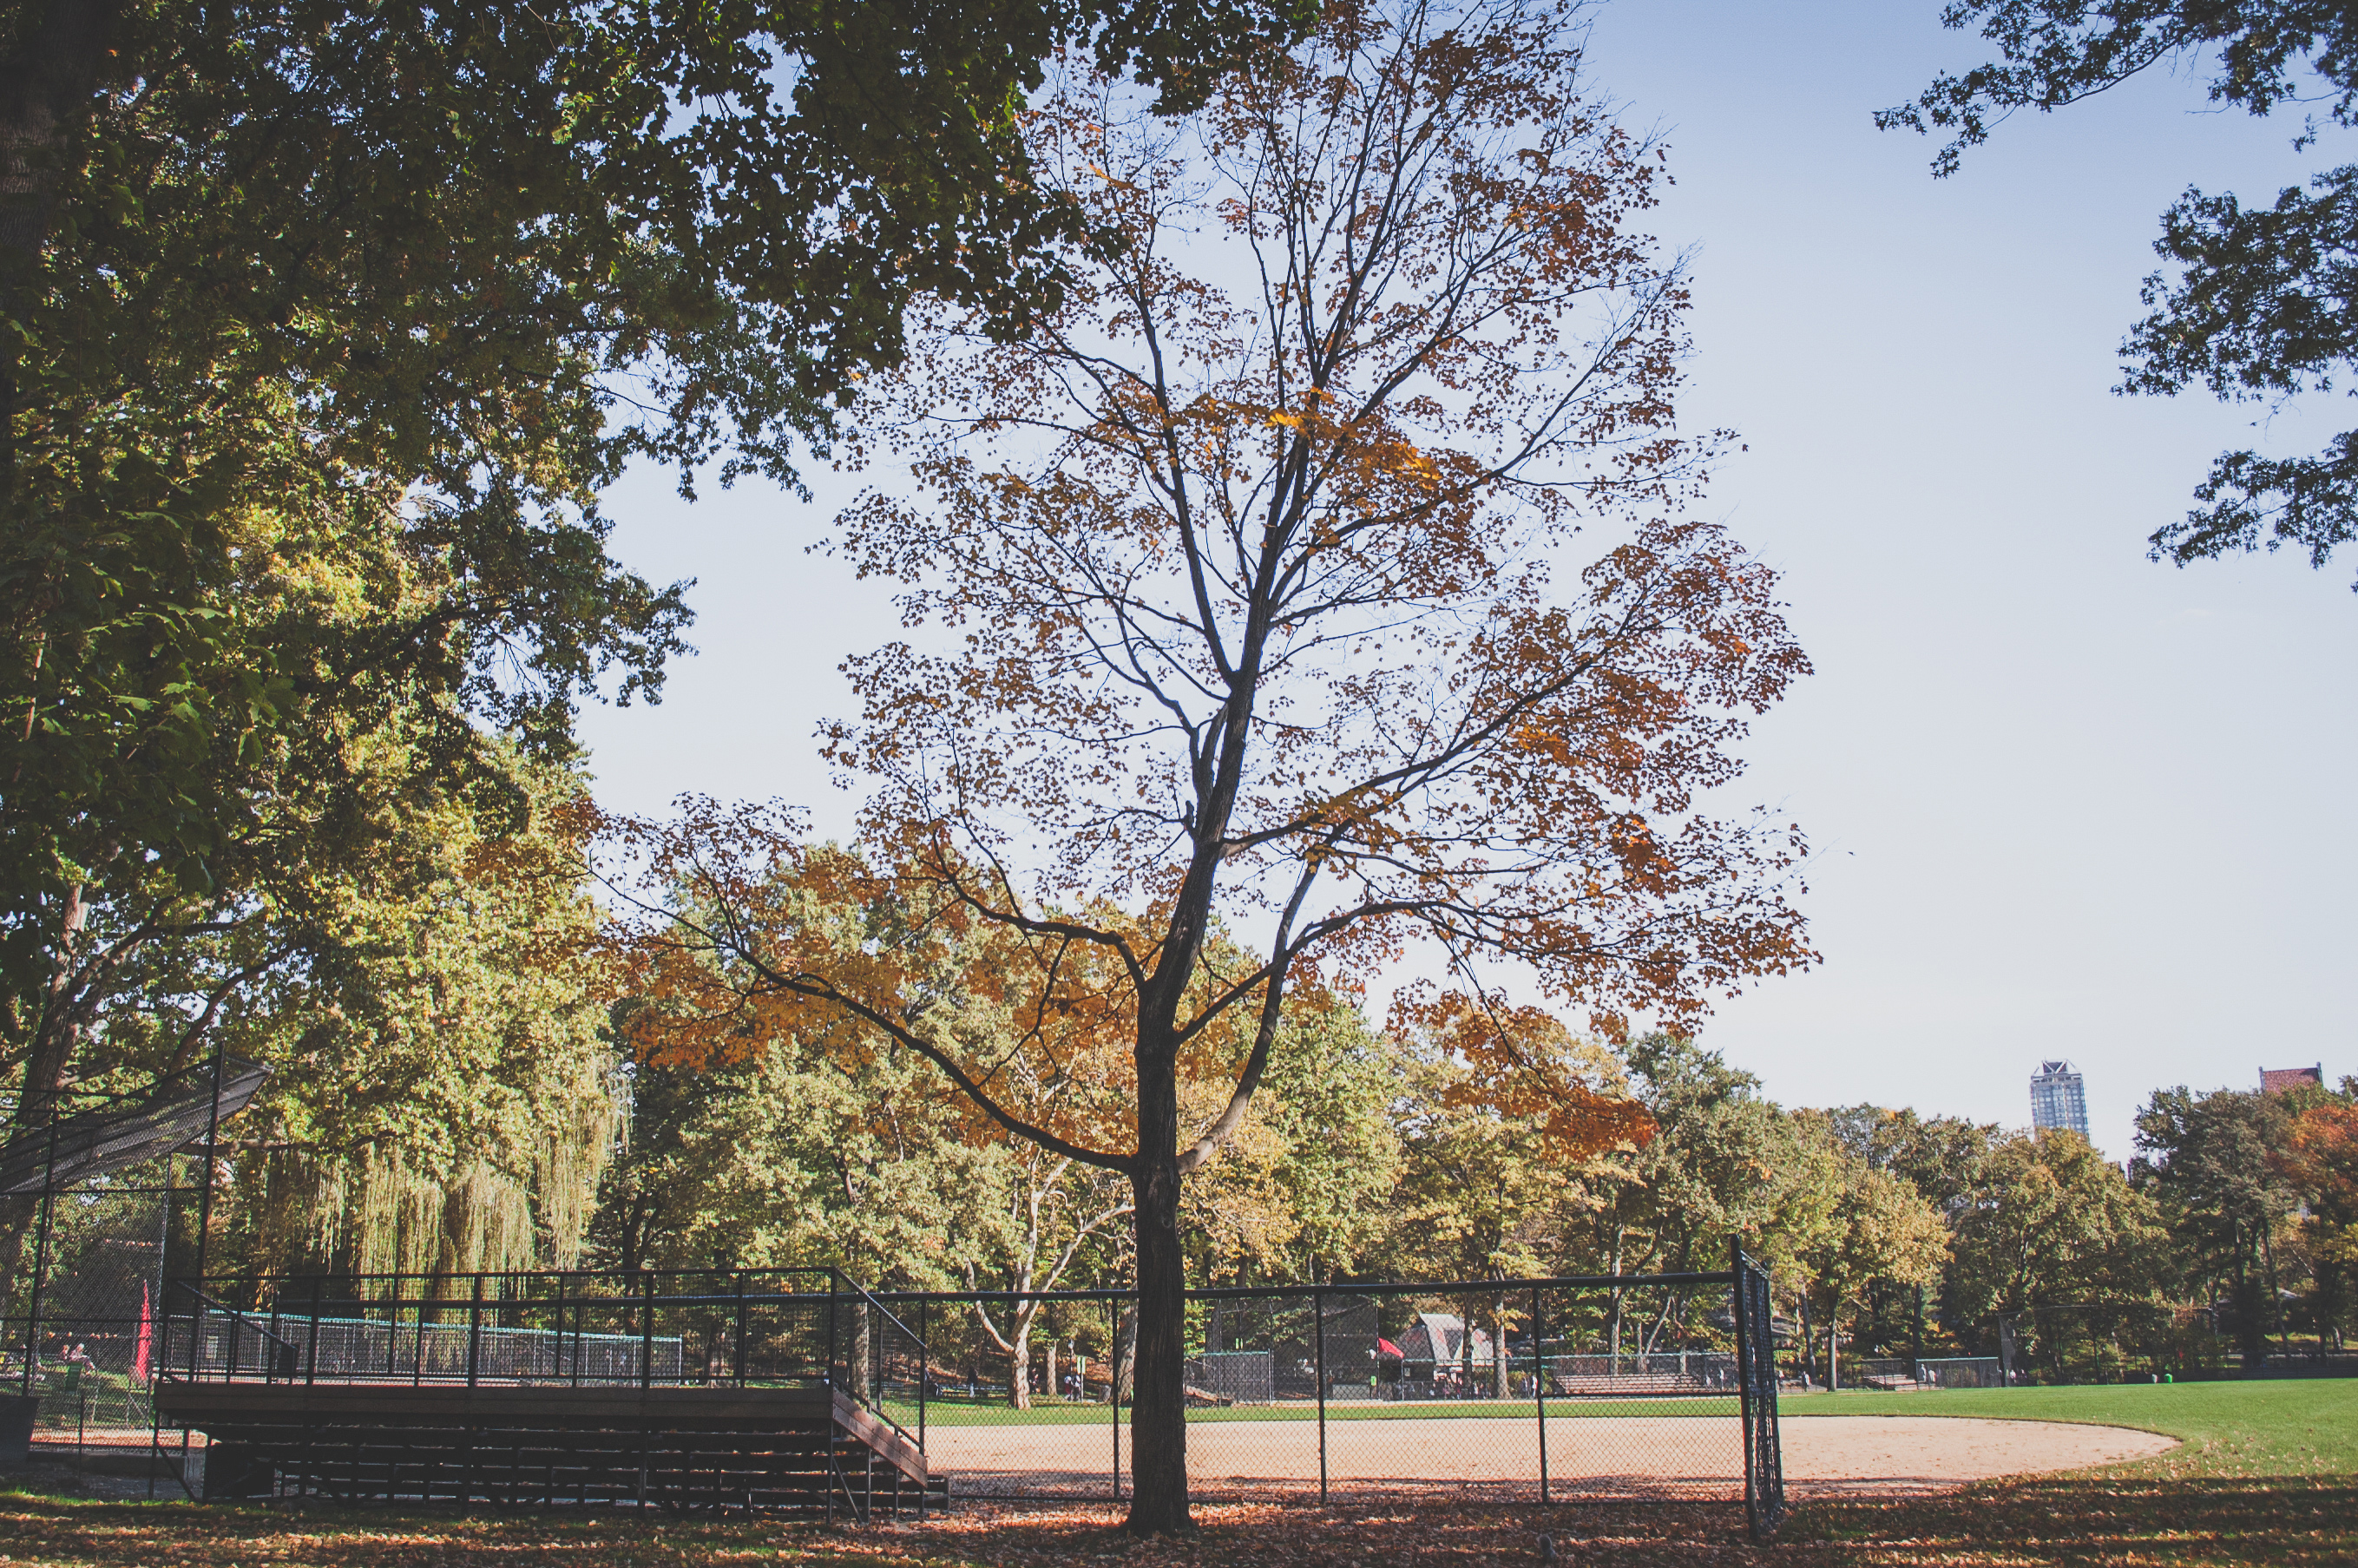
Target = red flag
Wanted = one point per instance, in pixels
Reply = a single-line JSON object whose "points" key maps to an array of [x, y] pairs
{"points": [[146, 1341]]}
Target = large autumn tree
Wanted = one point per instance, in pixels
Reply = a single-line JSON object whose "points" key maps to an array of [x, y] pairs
{"points": [[1247, 602]]}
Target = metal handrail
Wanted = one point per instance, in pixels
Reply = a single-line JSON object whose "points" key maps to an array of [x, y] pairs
{"points": [[237, 1315], [925, 1365]]}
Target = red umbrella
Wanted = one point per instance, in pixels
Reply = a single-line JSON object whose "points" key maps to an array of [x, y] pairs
{"points": [[1388, 1349]]}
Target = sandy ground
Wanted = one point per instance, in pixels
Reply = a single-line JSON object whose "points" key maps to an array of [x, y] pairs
{"points": [[1692, 1456]]}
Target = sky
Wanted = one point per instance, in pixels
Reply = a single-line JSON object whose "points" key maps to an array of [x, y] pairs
{"points": [[2063, 801]]}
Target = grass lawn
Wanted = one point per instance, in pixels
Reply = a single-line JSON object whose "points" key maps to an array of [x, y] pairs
{"points": [[2292, 1426], [2267, 1478]]}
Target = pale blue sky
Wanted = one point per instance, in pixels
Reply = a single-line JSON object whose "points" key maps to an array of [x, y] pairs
{"points": [[2065, 802]]}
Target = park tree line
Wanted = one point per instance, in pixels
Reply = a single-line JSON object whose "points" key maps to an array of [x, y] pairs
{"points": [[1375, 1151], [2231, 1238]]}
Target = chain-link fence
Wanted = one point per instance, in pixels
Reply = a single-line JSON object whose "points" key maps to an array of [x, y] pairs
{"points": [[1655, 1386], [93, 1222], [2108, 1342], [1553, 1391], [78, 1331], [1897, 1374]]}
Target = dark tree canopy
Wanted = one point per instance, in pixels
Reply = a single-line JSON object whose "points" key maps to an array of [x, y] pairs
{"points": [[322, 327], [2255, 303]]}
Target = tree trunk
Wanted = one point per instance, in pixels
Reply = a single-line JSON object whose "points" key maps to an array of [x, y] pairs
{"points": [[1048, 1384], [1499, 1388], [56, 1031], [46, 84], [1158, 1421], [1124, 1369], [1613, 1337], [2251, 1324], [1019, 1366], [2276, 1292]]}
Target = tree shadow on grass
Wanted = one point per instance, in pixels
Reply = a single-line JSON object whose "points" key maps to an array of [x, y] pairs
{"points": [[2234, 1522], [2256, 1519]]}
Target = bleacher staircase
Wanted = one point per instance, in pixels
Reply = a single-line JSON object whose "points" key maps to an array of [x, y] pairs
{"points": [[806, 1450]]}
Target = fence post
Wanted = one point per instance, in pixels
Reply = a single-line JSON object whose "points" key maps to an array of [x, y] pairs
{"points": [[1740, 1298], [312, 1344], [196, 1324], [1916, 1346], [1318, 1315], [925, 1378], [1539, 1384], [418, 1351], [647, 1334], [475, 1331], [1113, 1384], [40, 1250], [740, 1356]]}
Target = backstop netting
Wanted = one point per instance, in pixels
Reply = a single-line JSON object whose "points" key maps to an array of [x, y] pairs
{"points": [[80, 1315], [1659, 1387]]}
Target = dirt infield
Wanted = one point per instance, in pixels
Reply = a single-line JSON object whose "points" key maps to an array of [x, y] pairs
{"points": [[1691, 1458]]}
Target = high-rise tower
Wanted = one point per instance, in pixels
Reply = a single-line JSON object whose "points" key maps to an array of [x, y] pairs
{"points": [[2058, 1099]]}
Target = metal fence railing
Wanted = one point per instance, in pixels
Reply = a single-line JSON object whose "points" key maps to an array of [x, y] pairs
{"points": [[696, 1328], [700, 1327]]}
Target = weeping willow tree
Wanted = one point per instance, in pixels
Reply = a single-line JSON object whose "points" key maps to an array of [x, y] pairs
{"points": [[444, 1095]]}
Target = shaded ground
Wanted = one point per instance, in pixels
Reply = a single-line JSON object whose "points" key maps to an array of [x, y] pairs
{"points": [[2294, 1523], [2265, 1479]]}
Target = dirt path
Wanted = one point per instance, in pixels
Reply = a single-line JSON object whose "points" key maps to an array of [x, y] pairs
{"points": [[1693, 1457]]}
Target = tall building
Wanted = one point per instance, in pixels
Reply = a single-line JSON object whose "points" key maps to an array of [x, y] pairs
{"points": [[2058, 1099]]}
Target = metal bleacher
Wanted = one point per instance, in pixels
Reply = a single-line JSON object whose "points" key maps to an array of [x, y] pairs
{"points": [[709, 1389]]}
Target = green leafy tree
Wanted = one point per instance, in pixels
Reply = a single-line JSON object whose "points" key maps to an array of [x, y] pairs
{"points": [[1490, 1189], [1945, 1160], [786, 1161], [2256, 300], [1328, 1104], [442, 1094], [2053, 1234], [324, 327], [1724, 1163], [1942, 1157], [2213, 1164], [1879, 1232]]}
